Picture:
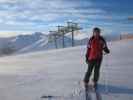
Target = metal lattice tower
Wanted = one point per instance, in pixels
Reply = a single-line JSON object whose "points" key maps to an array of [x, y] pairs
{"points": [[62, 30]]}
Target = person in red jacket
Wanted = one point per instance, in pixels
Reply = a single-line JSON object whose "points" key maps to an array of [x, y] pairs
{"points": [[95, 47]]}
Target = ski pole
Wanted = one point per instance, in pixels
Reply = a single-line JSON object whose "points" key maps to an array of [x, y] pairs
{"points": [[106, 75]]}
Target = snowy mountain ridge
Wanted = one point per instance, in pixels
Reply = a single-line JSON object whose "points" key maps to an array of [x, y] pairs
{"points": [[36, 42], [39, 41]]}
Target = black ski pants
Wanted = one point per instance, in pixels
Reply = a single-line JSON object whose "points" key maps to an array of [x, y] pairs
{"points": [[93, 65]]}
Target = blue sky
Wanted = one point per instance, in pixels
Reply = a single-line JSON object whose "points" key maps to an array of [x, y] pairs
{"points": [[28, 16]]}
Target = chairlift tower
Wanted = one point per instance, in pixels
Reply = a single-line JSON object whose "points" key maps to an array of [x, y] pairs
{"points": [[54, 35], [73, 27], [62, 30]]}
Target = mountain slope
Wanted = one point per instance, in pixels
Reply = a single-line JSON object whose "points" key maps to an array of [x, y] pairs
{"points": [[44, 44], [39, 42], [36, 42], [22, 41]]}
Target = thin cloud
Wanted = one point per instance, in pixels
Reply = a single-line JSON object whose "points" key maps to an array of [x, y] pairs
{"points": [[33, 14], [42, 11]]}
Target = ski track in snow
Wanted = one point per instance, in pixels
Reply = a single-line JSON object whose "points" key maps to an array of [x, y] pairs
{"points": [[55, 74]]}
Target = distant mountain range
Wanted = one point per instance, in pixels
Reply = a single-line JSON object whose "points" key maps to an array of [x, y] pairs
{"points": [[35, 42], [43, 43], [39, 41]]}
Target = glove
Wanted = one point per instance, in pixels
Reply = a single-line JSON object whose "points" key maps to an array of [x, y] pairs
{"points": [[87, 62], [106, 50]]}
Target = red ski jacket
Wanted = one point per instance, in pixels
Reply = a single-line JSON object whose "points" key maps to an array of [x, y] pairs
{"points": [[95, 48]]}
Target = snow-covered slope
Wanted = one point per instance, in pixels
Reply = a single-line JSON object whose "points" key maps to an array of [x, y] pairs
{"points": [[44, 44], [37, 45], [37, 42], [56, 74], [23, 41]]}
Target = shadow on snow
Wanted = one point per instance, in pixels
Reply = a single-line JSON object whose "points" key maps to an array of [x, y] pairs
{"points": [[114, 89]]}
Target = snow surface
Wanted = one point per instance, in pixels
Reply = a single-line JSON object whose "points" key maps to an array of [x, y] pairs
{"points": [[56, 74]]}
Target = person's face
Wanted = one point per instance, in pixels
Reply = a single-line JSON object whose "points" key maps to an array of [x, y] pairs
{"points": [[96, 33]]}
